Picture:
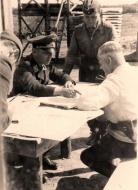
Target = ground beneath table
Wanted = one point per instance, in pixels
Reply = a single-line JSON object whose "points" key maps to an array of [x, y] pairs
{"points": [[72, 174]]}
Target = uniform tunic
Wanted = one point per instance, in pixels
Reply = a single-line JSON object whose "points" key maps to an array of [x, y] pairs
{"points": [[5, 77], [84, 47], [33, 79]]}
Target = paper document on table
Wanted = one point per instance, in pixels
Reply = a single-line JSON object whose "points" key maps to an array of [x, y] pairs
{"points": [[59, 102], [32, 120], [69, 103], [50, 123]]}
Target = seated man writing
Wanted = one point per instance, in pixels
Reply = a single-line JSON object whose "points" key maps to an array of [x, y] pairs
{"points": [[117, 96], [35, 72]]}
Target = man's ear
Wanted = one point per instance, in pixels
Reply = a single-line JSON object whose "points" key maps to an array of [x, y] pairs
{"points": [[33, 50], [109, 60]]}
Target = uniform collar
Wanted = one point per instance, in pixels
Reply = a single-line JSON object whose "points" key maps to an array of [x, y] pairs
{"points": [[36, 66], [122, 66], [100, 27]]}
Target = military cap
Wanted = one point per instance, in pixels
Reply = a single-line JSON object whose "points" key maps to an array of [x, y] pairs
{"points": [[90, 6], [9, 35], [43, 41]]}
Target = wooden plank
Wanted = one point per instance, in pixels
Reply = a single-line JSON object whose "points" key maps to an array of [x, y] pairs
{"points": [[114, 10], [6, 15], [35, 10], [27, 147], [114, 16]]}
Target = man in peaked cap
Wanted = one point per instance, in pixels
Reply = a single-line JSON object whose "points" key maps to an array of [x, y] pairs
{"points": [[34, 73], [12, 38], [90, 6], [44, 41], [10, 53], [86, 40]]}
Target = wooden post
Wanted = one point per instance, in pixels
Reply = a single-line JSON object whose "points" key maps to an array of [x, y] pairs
{"points": [[68, 23], [2, 177], [19, 20], [1, 16], [6, 15], [137, 46], [47, 18]]}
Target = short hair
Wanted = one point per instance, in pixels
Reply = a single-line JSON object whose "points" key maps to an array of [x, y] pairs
{"points": [[109, 47]]}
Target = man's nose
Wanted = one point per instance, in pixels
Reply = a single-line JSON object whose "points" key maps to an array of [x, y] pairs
{"points": [[52, 51]]}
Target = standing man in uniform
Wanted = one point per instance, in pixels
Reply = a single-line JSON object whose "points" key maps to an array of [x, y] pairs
{"points": [[34, 74], [10, 53], [86, 40], [117, 96]]}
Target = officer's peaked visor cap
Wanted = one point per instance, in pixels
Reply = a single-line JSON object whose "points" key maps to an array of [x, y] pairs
{"points": [[9, 35], [43, 42], [90, 7]]}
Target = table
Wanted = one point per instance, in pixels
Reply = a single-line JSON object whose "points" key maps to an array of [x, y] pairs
{"points": [[35, 130]]}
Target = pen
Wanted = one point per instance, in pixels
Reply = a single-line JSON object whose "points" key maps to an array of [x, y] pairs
{"points": [[15, 121], [77, 92]]}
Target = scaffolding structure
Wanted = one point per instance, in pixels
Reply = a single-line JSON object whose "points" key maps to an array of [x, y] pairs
{"points": [[59, 17], [52, 17]]}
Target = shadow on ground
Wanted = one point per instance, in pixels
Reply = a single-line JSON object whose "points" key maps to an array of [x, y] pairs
{"points": [[95, 182], [77, 143], [68, 173]]}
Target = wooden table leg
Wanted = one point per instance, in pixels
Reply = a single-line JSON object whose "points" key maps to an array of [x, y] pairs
{"points": [[2, 180], [65, 148]]}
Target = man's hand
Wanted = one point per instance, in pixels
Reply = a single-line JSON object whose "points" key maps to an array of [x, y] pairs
{"points": [[66, 92], [85, 103], [69, 84]]}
